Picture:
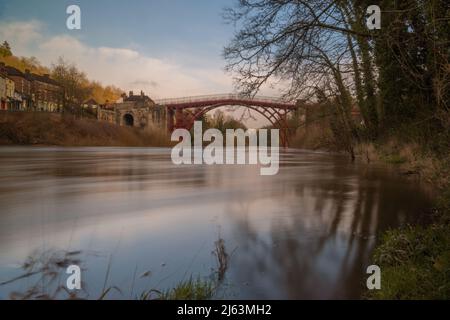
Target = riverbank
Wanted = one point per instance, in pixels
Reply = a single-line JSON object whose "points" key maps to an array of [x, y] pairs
{"points": [[65, 130], [415, 259]]}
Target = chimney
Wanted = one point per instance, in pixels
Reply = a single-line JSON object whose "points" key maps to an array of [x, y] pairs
{"points": [[27, 71], [131, 93], [142, 93]]}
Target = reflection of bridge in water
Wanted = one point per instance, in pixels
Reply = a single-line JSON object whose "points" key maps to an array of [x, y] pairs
{"points": [[182, 112]]}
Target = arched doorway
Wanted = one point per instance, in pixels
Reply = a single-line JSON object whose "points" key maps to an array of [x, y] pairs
{"points": [[128, 120]]}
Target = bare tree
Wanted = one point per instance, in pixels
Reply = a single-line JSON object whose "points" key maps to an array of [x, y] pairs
{"points": [[307, 44]]}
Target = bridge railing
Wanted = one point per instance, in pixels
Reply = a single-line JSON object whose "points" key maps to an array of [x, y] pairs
{"points": [[220, 97]]}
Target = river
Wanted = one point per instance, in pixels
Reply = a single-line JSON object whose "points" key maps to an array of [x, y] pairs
{"points": [[141, 222]]}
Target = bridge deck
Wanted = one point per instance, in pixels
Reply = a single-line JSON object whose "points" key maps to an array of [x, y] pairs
{"points": [[232, 99]]}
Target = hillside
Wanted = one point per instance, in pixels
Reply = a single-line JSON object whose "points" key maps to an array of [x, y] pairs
{"points": [[66, 130]]}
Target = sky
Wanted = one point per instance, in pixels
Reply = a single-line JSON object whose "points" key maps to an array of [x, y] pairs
{"points": [[167, 48]]}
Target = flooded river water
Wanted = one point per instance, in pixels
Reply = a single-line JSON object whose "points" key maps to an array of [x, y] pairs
{"points": [[304, 233]]}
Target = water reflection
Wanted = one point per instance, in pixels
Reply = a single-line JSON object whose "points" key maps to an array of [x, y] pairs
{"points": [[305, 233], [318, 243]]}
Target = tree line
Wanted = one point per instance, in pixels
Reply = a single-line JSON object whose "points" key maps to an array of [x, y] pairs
{"points": [[77, 86]]}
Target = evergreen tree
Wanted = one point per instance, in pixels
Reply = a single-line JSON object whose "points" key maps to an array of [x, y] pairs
{"points": [[5, 49]]}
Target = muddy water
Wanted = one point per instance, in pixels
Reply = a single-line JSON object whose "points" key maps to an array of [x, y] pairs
{"points": [[306, 232]]}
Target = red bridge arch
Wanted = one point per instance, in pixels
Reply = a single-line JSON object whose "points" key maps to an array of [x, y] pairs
{"points": [[182, 112]]}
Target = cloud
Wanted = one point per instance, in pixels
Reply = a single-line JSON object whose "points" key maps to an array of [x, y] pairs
{"points": [[117, 66], [21, 34], [126, 68], [146, 83]]}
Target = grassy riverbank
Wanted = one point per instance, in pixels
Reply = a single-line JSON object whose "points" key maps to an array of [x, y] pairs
{"points": [[415, 259], [65, 130]]}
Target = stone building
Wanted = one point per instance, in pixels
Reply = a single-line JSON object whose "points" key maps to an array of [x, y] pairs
{"points": [[134, 111]]}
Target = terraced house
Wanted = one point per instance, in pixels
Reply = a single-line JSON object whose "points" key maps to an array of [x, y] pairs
{"points": [[27, 91], [22, 97], [47, 93], [3, 97], [7, 90]]}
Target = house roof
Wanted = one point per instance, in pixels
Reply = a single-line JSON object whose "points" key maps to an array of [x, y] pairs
{"points": [[45, 79], [11, 71]]}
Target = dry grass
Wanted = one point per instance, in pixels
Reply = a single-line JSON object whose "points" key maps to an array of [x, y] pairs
{"points": [[410, 159], [222, 259], [25, 128], [314, 136]]}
